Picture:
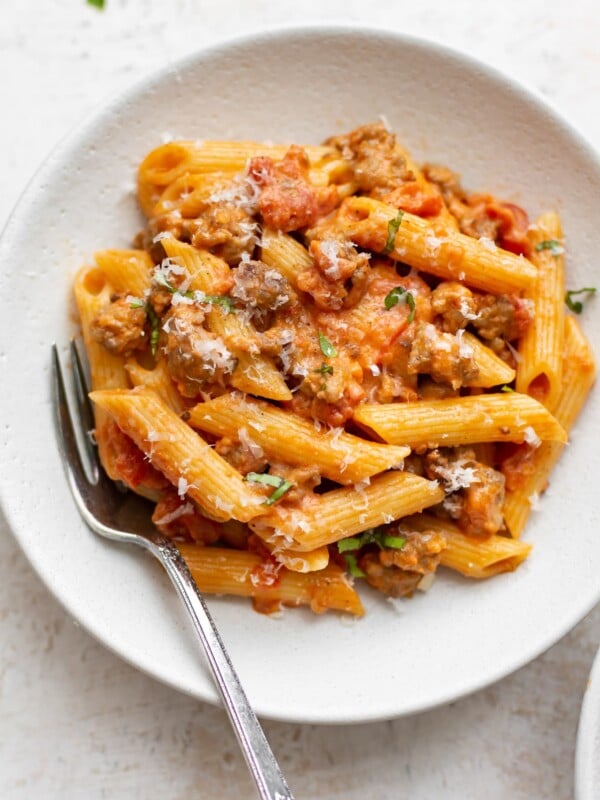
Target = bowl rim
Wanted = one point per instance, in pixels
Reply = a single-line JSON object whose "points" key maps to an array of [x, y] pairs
{"points": [[116, 102]]}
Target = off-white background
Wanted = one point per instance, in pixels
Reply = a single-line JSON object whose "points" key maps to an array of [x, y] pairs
{"points": [[76, 722]]}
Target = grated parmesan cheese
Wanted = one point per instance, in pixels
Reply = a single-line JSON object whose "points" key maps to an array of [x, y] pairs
{"points": [[456, 477], [531, 437], [254, 448], [180, 511]]}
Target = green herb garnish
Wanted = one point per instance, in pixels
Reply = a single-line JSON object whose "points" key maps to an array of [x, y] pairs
{"points": [[506, 389], [280, 484], [393, 226], [198, 297], [576, 305], [154, 328], [553, 245], [371, 536], [136, 302], [325, 369], [99, 4], [216, 299], [327, 348], [352, 565], [401, 295]]}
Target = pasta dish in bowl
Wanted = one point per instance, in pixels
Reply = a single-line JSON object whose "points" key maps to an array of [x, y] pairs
{"points": [[282, 300], [336, 369]]}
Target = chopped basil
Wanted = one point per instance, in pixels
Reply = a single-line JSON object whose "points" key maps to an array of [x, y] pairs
{"points": [[279, 492], [215, 299], [553, 245], [327, 348], [371, 536], [136, 303], [352, 565], [154, 328], [351, 543], [576, 305], [325, 369], [198, 297], [280, 484], [506, 389], [393, 542], [96, 3], [401, 295], [393, 226]]}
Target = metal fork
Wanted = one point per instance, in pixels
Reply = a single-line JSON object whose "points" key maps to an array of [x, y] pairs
{"points": [[124, 517]]}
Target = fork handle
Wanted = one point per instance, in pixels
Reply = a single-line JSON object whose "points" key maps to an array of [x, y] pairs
{"points": [[261, 761]]}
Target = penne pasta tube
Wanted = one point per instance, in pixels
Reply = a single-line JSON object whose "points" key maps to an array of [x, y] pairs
{"points": [[236, 572], [127, 271], [165, 164], [285, 254], [579, 374], [327, 518], [283, 435], [208, 273], [493, 371], [539, 371], [298, 561], [473, 557], [157, 379], [181, 454], [255, 372], [453, 256], [107, 371], [511, 417]]}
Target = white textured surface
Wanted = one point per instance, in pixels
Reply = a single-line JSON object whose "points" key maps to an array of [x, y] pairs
{"points": [[76, 722]]}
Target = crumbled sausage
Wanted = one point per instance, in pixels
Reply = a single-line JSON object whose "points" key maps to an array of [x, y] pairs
{"points": [[244, 456], [454, 304], [377, 166], [391, 581], [379, 169], [482, 215], [225, 229], [475, 491], [420, 553], [339, 276], [288, 201], [260, 289], [443, 356], [504, 316], [195, 356], [120, 327], [398, 571]]}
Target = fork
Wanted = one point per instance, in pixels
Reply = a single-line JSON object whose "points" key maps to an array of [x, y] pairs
{"points": [[123, 517]]}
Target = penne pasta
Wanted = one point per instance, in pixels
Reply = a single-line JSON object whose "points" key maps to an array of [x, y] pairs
{"points": [[284, 254], [539, 371], [492, 370], [127, 271], [244, 574], [318, 313], [472, 557], [181, 455], [453, 256], [327, 518], [531, 479], [508, 417], [281, 434]]}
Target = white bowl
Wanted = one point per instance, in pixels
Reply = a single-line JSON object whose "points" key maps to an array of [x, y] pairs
{"points": [[587, 754], [297, 86]]}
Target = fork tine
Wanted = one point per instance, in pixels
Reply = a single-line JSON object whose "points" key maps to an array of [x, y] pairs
{"points": [[67, 439], [85, 409]]}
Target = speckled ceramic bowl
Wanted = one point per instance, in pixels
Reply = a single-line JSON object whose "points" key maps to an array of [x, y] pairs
{"points": [[298, 85]]}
